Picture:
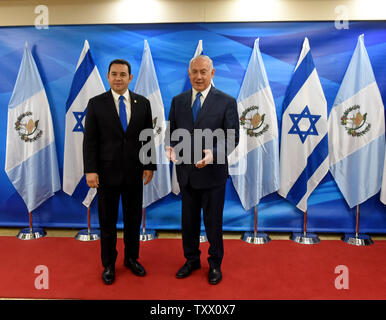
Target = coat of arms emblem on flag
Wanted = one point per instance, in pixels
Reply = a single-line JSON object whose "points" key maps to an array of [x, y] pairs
{"points": [[28, 128], [253, 122], [354, 122]]}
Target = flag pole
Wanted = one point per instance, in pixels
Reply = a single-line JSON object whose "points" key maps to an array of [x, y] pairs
{"points": [[305, 224], [30, 221], [143, 221], [31, 232], [255, 221], [357, 225], [88, 234], [88, 221], [357, 239], [256, 237], [149, 234], [305, 237], [203, 237]]}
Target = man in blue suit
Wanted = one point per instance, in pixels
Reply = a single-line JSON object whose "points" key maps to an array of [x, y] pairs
{"points": [[203, 175]]}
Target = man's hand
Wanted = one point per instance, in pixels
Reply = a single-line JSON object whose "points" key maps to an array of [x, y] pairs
{"points": [[170, 154], [208, 159], [147, 176], [92, 180]]}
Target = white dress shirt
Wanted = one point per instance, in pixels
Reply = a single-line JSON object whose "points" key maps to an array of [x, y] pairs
{"points": [[203, 95], [126, 100]]}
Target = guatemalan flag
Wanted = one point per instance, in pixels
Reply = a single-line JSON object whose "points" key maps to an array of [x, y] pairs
{"points": [[147, 85], [357, 131], [254, 164], [187, 86], [304, 142], [86, 84], [31, 162]]}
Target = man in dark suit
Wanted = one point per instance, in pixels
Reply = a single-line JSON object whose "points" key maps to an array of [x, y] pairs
{"points": [[112, 163], [202, 181]]}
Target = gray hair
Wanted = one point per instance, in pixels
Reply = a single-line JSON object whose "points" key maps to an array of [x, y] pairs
{"points": [[204, 57]]}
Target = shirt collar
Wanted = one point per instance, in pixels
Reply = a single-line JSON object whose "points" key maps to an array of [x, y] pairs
{"points": [[204, 93], [117, 95]]}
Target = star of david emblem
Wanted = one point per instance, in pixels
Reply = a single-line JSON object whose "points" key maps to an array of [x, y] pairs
{"points": [[79, 118], [310, 131]]}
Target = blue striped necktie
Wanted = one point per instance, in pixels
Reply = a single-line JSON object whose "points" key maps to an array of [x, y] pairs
{"points": [[196, 106], [122, 113]]}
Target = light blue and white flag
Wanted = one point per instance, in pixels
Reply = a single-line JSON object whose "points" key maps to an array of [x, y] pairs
{"points": [[86, 84], [304, 141], [175, 186], [31, 162], [383, 190], [357, 131], [147, 85], [254, 164]]}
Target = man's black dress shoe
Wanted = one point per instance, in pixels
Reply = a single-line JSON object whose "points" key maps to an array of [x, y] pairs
{"points": [[214, 276], [187, 269], [108, 275], [135, 267]]}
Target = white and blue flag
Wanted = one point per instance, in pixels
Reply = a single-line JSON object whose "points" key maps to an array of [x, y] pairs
{"points": [[304, 141], [31, 162], [175, 186], [147, 85], [254, 164], [86, 84], [357, 131]]}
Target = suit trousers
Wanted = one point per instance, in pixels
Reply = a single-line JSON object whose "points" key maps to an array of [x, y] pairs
{"points": [[108, 205], [212, 202]]}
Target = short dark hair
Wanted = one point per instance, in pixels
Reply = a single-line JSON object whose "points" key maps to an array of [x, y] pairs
{"points": [[120, 61]]}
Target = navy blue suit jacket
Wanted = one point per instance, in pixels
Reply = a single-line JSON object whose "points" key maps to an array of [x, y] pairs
{"points": [[219, 111]]}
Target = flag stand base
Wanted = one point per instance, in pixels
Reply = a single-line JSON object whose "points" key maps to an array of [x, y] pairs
{"points": [[358, 239], [256, 238], [148, 235], [88, 235], [203, 237], [31, 233], [305, 238]]}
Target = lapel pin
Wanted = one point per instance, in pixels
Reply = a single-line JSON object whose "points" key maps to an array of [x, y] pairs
{"points": [[135, 101]]}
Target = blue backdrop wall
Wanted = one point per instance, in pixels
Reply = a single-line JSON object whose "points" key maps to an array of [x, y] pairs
{"points": [[57, 49]]}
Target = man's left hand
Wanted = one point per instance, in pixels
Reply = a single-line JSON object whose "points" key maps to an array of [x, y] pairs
{"points": [[208, 159], [147, 176]]}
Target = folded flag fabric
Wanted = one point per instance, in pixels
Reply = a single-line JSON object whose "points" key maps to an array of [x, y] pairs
{"points": [[31, 161], [357, 131], [86, 84], [254, 164], [304, 141], [147, 85]]}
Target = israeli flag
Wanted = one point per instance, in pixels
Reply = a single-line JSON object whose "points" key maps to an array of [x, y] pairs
{"points": [[175, 186], [31, 162], [147, 85], [304, 142], [356, 130], [86, 84], [254, 164]]}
